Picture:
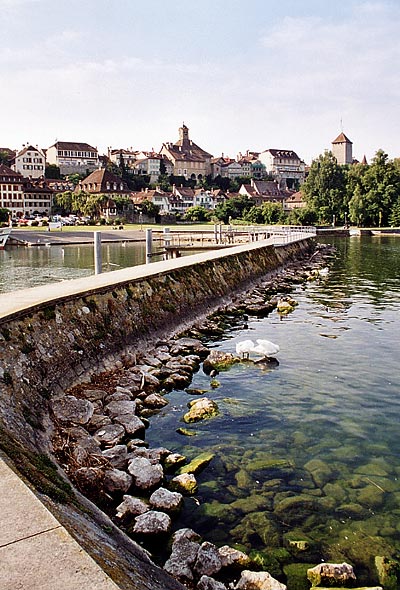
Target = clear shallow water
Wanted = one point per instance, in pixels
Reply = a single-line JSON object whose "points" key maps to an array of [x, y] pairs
{"points": [[309, 450], [21, 268]]}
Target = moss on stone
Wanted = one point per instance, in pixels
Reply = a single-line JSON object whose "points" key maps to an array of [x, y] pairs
{"points": [[197, 464]]}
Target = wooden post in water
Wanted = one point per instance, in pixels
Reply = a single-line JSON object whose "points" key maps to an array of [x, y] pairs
{"points": [[216, 233], [97, 252], [149, 241]]}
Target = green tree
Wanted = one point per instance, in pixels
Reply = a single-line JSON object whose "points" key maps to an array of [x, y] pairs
{"points": [[52, 171], [197, 214], [394, 216], [273, 213], [149, 208], [325, 188], [373, 191], [4, 158], [234, 208], [4, 214]]}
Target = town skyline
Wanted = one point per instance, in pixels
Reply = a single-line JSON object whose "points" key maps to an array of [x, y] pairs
{"points": [[287, 77]]}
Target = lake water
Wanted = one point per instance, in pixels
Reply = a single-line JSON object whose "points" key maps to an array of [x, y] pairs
{"points": [[28, 267], [310, 450]]}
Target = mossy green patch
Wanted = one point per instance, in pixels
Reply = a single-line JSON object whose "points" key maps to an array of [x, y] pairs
{"points": [[38, 469]]}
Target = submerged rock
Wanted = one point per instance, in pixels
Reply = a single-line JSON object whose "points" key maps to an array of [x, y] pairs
{"points": [[330, 574], [201, 409], [219, 360], [197, 464]]}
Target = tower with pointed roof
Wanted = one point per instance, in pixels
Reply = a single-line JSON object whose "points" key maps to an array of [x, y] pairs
{"points": [[342, 149]]}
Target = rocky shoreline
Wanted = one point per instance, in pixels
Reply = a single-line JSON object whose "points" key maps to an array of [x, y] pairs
{"points": [[100, 438]]}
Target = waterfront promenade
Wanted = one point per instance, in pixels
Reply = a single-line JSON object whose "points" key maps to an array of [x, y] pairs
{"points": [[36, 551]]}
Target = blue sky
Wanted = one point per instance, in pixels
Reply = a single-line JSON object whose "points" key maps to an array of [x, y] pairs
{"points": [[255, 75]]}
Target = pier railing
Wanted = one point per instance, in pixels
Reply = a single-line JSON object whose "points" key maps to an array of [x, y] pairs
{"points": [[172, 243], [229, 234]]}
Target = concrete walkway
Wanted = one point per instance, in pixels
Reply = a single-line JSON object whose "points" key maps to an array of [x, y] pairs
{"points": [[36, 551]]}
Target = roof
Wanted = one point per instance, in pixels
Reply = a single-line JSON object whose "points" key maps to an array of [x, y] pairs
{"points": [[101, 178], [29, 148], [6, 171], [185, 149], [342, 138], [74, 146], [285, 154]]}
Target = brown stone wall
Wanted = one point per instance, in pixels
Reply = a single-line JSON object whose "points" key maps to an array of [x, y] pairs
{"points": [[50, 347]]}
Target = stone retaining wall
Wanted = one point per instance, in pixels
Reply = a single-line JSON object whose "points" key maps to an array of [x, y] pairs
{"points": [[48, 347], [53, 344]]}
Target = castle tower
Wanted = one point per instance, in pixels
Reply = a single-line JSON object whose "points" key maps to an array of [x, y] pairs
{"points": [[342, 149], [184, 133]]}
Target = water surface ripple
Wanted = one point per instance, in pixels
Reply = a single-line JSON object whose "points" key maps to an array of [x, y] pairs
{"points": [[309, 450]]}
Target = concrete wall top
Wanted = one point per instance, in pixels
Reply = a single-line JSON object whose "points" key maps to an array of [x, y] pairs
{"points": [[18, 301]]}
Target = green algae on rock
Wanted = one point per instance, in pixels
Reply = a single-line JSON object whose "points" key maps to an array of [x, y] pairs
{"points": [[201, 409], [197, 464]]}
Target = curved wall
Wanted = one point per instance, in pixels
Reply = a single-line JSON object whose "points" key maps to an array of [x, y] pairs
{"points": [[55, 336]]}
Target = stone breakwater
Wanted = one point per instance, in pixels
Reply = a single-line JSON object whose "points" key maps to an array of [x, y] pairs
{"points": [[98, 429]]}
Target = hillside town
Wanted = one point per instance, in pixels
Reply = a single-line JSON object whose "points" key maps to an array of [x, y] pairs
{"points": [[180, 176]]}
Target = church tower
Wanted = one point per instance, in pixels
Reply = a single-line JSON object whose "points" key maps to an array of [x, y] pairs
{"points": [[342, 149]]}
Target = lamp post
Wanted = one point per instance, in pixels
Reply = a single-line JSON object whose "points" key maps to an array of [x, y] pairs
{"points": [[141, 220]]}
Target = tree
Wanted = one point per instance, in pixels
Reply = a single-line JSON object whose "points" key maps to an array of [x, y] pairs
{"points": [[4, 157], [325, 188], [4, 215], [373, 191], [233, 208], [52, 171], [197, 213], [149, 208]]}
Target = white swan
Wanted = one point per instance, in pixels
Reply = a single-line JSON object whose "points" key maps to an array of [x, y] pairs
{"points": [[266, 348], [244, 348]]}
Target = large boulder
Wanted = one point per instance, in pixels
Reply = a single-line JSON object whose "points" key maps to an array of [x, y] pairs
{"points": [[109, 435], [131, 506], [152, 523], [166, 501], [117, 456], [233, 557], [207, 583], [183, 557], [117, 481], [219, 360], [331, 574], [132, 424], [145, 476], [189, 345], [70, 409], [208, 560], [186, 484], [120, 408], [201, 409], [258, 581]]}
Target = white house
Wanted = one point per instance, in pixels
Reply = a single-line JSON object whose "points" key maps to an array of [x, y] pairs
{"points": [[73, 157], [284, 166], [30, 162]]}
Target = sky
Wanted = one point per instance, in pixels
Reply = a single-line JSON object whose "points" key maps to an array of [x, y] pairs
{"points": [[241, 75]]}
